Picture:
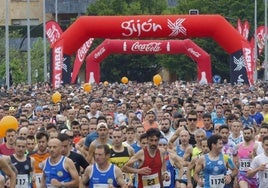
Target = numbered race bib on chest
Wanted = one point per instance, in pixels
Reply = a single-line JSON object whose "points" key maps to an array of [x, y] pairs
{"points": [[100, 186], [22, 181], [244, 164], [38, 177], [167, 183], [151, 181], [216, 181], [265, 176], [51, 186]]}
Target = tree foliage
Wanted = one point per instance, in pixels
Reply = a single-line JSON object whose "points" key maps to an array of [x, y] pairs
{"points": [[18, 59]]}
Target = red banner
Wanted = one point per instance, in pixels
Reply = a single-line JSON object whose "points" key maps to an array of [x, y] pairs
{"points": [[116, 46], [248, 61], [260, 38], [80, 57], [245, 31], [53, 31], [239, 26], [57, 62]]}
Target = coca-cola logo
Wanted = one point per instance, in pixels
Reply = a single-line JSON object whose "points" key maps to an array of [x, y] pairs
{"points": [[149, 47], [81, 53], [99, 53], [195, 53]]}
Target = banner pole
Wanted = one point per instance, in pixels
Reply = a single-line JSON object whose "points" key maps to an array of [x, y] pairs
{"points": [[44, 40], [7, 43]]}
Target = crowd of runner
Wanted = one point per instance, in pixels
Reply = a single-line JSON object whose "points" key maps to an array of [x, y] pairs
{"points": [[177, 135]]}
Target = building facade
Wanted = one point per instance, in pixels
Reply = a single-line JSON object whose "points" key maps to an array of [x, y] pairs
{"points": [[18, 11]]}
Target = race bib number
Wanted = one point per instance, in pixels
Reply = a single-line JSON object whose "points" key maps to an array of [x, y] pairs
{"points": [[38, 180], [244, 164], [51, 186], [151, 181], [167, 183], [22, 181], [216, 181], [100, 186]]}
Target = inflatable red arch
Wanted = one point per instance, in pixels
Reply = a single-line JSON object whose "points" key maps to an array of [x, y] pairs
{"points": [[164, 26], [109, 46]]}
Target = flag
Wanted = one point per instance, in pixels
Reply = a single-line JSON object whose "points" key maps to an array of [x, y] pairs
{"points": [[260, 38], [57, 64], [249, 63], [239, 26], [53, 31], [245, 30]]}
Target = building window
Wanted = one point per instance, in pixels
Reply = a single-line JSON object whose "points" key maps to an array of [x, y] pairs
{"points": [[24, 21], [23, 0]]}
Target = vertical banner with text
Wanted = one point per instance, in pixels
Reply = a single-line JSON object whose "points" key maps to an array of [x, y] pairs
{"points": [[238, 72], [53, 33], [57, 64]]}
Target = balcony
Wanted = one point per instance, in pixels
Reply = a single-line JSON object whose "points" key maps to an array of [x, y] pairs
{"points": [[68, 6]]}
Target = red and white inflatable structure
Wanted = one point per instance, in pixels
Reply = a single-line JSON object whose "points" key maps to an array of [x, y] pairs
{"points": [[116, 46], [165, 26]]}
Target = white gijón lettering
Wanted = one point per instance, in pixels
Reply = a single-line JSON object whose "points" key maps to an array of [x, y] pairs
{"points": [[137, 27]]}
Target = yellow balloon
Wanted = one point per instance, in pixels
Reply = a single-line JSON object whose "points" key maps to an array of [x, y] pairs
{"points": [[105, 83], [56, 97], [124, 80], [8, 122], [157, 79], [87, 87]]}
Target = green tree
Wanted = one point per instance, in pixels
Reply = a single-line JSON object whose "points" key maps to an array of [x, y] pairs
{"points": [[18, 59]]}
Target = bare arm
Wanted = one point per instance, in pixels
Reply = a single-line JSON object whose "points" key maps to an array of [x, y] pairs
{"points": [[231, 165], [80, 146], [199, 166], [119, 178], [90, 153], [188, 153], [9, 172], [8, 160], [175, 135], [253, 172], [70, 167], [178, 162], [164, 166], [31, 173], [189, 169], [128, 167], [43, 181], [85, 177], [130, 151]]}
